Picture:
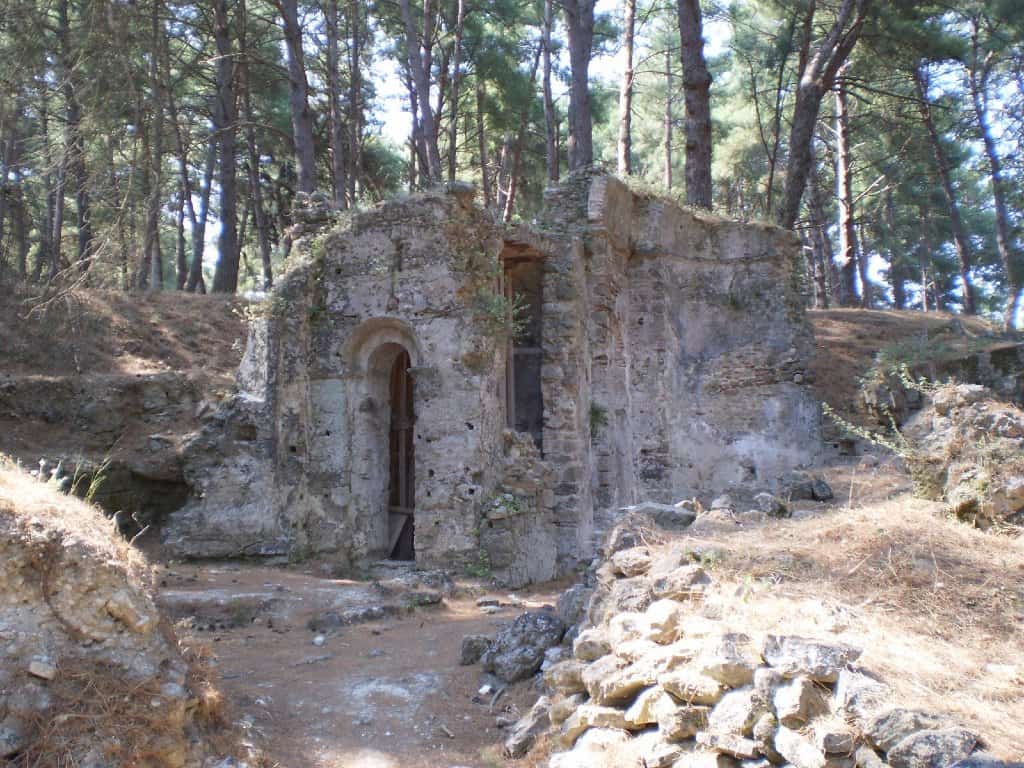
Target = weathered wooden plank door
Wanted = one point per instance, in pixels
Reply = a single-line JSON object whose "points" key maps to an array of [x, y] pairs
{"points": [[401, 499]]}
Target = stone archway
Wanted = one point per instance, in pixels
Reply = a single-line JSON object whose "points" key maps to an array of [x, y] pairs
{"points": [[381, 354]]}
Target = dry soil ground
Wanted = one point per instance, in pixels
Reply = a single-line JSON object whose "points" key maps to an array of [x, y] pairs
{"points": [[380, 694]]}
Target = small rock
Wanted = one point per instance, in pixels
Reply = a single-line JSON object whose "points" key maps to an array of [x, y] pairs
{"points": [[572, 604], [648, 707], [798, 702], [42, 669], [866, 757], [13, 736], [729, 743], [691, 687], [887, 729], [590, 645], [723, 502], [631, 562], [859, 695], [932, 748], [566, 677], [472, 648], [518, 649], [833, 738], [735, 713], [590, 716], [684, 583], [563, 707], [525, 732], [772, 505], [728, 660], [610, 682], [801, 752], [663, 621], [681, 723], [319, 641], [122, 607], [819, 661], [485, 602]]}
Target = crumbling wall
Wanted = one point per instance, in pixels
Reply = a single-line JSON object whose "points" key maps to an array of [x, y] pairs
{"points": [[674, 350], [307, 434]]}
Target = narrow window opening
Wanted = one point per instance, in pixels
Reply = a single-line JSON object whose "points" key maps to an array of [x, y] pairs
{"points": [[524, 400]]}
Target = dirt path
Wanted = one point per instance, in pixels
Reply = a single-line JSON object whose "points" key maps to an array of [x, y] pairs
{"points": [[378, 694]]}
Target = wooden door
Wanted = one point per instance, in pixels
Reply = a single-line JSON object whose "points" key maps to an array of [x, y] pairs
{"points": [[402, 483]]}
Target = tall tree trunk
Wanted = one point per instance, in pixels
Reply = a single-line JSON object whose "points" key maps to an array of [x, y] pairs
{"points": [[550, 120], [977, 75], [185, 185], [960, 241], [255, 190], [481, 136], [669, 121], [848, 256], [153, 204], [74, 152], [355, 102], [626, 91], [579, 23], [820, 241], [697, 95], [817, 72], [453, 128], [196, 281], [302, 118], [225, 276], [419, 69], [339, 140]]}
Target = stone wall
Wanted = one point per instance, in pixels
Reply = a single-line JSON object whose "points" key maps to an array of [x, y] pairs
{"points": [[674, 349]]}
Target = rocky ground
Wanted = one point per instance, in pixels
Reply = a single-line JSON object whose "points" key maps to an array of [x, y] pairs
{"points": [[870, 631]]}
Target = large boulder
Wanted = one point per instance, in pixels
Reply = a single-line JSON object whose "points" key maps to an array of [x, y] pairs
{"points": [[518, 649]]}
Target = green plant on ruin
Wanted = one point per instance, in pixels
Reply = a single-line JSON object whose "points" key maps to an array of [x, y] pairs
{"points": [[272, 307], [511, 504], [598, 420], [479, 568], [499, 316], [893, 440]]}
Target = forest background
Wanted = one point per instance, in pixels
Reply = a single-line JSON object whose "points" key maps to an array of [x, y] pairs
{"points": [[160, 145]]}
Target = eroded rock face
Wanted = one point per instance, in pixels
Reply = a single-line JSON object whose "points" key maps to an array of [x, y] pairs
{"points": [[76, 611], [969, 452]]}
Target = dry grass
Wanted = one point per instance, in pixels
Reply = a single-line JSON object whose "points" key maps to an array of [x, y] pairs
{"points": [[92, 331], [847, 341], [937, 605], [33, 505], [94, 709]]}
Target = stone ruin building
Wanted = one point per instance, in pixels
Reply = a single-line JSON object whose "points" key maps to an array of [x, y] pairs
{"points": [[384, 410]]}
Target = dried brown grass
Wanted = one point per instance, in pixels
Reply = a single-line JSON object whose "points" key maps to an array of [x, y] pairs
{"points": [[937, 605], [95, 709]]}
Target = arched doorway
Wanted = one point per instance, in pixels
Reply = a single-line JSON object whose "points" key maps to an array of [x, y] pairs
{"points": [[402, 478]]}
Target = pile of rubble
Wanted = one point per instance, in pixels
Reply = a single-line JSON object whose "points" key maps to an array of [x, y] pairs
{"points": [[637, 678]]}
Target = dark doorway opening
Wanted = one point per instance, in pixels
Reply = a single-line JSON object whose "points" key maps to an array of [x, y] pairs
{"points": [[401, 499], [524, 400]]}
